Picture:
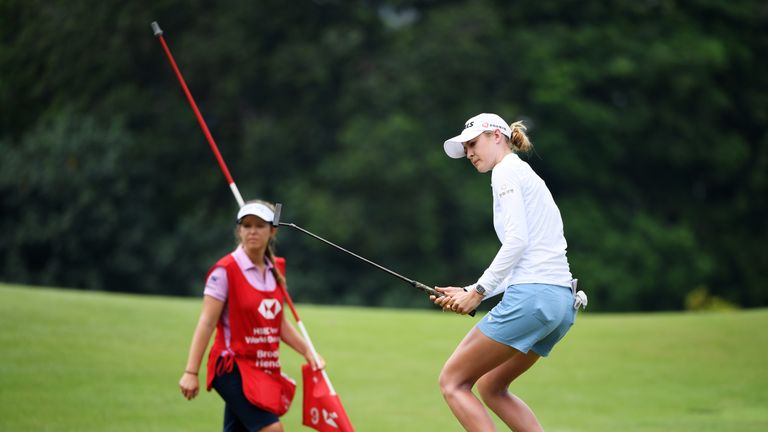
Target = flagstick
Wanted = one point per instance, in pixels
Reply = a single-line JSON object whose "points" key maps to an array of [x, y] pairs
{"points": [[309, 341], [159, 34], [230, 181]]}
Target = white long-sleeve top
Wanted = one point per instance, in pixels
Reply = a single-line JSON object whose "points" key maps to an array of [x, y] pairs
{"points": [[530, 228]]}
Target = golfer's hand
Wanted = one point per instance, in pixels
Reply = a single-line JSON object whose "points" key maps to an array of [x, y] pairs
{"points": [[189, 385], [320, 364], [465, 302], [445, 301], [457, 300]]}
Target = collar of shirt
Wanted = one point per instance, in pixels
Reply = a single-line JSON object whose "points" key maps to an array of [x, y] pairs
{"points": [[245, 263], [262, 281]]}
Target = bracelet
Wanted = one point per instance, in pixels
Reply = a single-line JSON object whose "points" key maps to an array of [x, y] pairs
{"points": [[190, 372]]}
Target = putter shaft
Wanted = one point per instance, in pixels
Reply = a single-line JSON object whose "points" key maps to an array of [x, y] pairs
{"points": [[416, 284]]}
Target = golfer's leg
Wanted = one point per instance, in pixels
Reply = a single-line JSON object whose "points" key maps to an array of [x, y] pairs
{"points": [[493, 389], [475, 355]]}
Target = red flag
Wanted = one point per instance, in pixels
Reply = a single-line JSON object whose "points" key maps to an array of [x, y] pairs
{"points": [[322, 407]]}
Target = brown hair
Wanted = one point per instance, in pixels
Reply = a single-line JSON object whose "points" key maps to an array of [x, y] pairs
{"points": [[275, 271]]}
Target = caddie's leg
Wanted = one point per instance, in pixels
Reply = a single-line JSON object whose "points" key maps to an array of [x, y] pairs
{"points": [[241, 414], [231, 422], [274, 427]]}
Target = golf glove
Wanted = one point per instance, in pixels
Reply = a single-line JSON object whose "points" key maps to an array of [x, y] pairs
{"points": [[581, 300], [580, 297]]}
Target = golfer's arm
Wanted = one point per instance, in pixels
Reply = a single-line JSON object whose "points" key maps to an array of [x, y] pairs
{"points": [[209, 317], [514, 244]]}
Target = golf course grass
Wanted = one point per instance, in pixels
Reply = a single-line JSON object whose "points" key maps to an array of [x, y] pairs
{"points": [[83, 361]]}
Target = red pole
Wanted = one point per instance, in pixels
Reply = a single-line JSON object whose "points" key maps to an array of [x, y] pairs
{"points": [[159, 33]]}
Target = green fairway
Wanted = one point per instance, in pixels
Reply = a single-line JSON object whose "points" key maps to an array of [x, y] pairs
{"points": [[81, 361]]}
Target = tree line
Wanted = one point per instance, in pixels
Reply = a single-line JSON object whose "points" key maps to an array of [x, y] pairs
{"points": [[647, 119]]}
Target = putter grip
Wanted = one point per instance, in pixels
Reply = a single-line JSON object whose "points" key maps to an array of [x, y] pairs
{"points": [[427, 289], [432, 291]]}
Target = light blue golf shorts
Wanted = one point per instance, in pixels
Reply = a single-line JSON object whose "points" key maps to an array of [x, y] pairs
{"points": [[531, 317]]}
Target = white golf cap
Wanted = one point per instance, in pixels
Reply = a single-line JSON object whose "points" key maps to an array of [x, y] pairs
{"points": [[478, 124], [256, 209]]}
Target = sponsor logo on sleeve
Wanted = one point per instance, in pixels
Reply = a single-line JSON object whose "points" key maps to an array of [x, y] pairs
{"points": [[505, 190]]}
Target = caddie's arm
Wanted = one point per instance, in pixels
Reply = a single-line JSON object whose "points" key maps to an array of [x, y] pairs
{"points": [[293, 339], [206, 324]]}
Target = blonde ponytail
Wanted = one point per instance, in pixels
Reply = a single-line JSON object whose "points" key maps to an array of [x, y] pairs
{"points": [[519, 142]]}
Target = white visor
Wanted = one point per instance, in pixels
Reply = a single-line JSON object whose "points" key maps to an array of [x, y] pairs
{"points": [[478, 124], [256, 209]]}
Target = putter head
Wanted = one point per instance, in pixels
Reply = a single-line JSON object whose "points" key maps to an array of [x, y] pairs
{"points": [[276, 217], [156, 28]]}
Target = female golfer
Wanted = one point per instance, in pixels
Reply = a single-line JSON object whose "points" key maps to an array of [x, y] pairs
{"points": [[530, 268], [243, 301]]}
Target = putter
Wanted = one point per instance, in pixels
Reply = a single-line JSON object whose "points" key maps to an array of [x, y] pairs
{"points": [[416, 284]]}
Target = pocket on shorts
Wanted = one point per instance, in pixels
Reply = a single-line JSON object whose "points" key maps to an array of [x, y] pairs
{"points": [[548, 308], [543, 311]]}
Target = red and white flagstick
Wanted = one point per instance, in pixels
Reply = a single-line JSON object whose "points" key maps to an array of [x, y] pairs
{"points": [[232, 186], [309, 341], [159, 33]]}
